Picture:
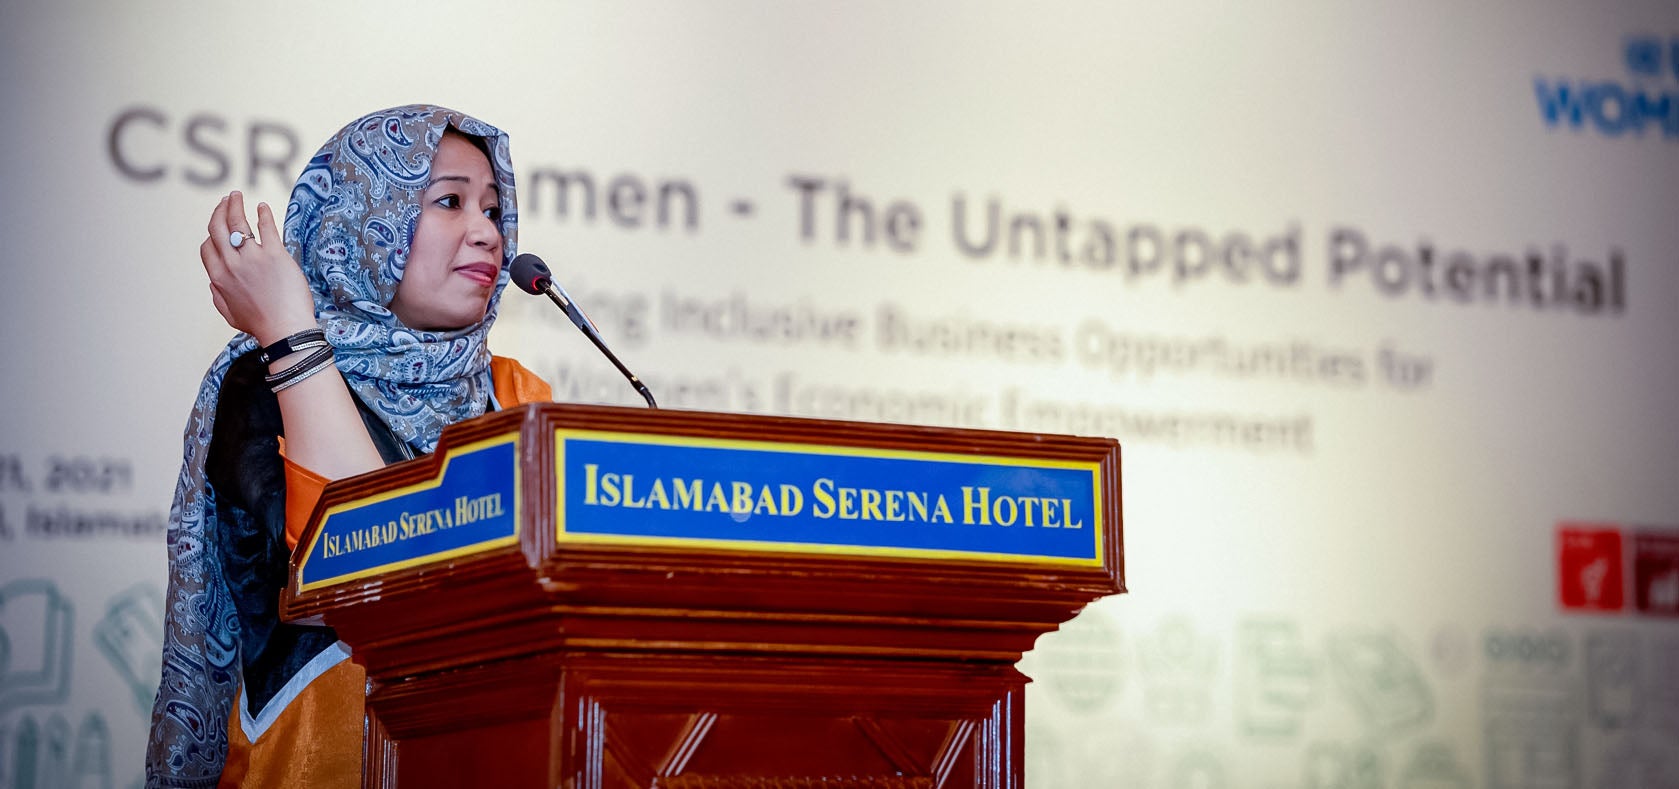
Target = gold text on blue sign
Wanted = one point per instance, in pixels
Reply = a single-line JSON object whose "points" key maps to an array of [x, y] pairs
{"points": [[408, 525], [978, 505]]}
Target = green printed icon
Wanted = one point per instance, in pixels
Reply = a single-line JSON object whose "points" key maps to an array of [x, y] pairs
{"points": [[1197, 769], [1081, 665], [1661, 687], [1532, 734], [55, 754], [38, 757], [35, 644], [91, 766], [1612, 687], [1340, 766], [21, 751], [1532, 710], [130, 636], [1178, 667], [1276, 678], [1434, 766], [1383, 683], [1513, 651]]}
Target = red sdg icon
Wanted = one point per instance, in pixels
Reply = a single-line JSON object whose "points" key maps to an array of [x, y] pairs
{"points": [[1655, 572], [1589, 567]]}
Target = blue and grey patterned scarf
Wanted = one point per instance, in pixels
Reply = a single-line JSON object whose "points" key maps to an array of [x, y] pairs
{"points": [[349, 224]]}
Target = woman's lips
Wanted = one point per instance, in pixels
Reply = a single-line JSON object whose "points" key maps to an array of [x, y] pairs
{"points": [[481, 273]]}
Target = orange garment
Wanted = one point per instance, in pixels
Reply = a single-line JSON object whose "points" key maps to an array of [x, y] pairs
{"points": [[316, 740], [515, 385]]}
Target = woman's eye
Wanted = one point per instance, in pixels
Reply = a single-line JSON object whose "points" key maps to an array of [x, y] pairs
{"points": [[493, 212], [449, 201]]}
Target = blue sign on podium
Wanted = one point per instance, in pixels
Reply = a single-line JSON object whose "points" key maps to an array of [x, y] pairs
{"points": [[472, 506], [730, 494], [685, 491]]}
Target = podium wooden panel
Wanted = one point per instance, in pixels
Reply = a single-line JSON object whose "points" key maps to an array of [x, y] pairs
{"points": [[601, 666]]}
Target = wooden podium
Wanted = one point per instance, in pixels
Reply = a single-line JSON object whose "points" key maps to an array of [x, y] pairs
{"points": [[560, 652]]}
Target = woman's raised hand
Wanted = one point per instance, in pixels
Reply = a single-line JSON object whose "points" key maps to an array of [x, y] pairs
{"points": [[258, 288]]}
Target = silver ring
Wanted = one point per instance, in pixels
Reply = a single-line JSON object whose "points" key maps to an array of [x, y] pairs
{"points": [[238, 239]]}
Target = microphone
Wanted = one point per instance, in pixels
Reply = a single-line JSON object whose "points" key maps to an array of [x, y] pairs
{"points": [[533, 277]]}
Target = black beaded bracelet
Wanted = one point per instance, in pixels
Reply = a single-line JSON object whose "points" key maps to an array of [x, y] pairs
{"points": [[293, 375], [301, 341]]}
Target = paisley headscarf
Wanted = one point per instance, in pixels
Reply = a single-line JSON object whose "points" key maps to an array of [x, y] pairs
{"points": [[349, 224]]}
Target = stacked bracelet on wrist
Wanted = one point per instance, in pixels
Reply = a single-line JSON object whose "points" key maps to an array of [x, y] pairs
{"points": [[315, 362], [313, 340], [301, 341]]}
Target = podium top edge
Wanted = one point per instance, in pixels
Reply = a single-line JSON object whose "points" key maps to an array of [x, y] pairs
{"points": [[777, 428]]}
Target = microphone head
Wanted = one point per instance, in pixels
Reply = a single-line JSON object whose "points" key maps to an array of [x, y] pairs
{"points": [[530, 274]]}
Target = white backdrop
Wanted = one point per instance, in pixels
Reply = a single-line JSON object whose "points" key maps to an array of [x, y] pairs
{"points": [[1343, 495]]}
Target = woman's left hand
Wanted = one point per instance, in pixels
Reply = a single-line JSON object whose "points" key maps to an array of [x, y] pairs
{"points": [[257, 287]]}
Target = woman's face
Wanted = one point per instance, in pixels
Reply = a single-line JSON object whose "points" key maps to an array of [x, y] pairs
{"points": [[456, 255]]}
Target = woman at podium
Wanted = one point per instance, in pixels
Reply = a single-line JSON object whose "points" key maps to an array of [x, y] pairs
{"points": [[362, 334]]}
